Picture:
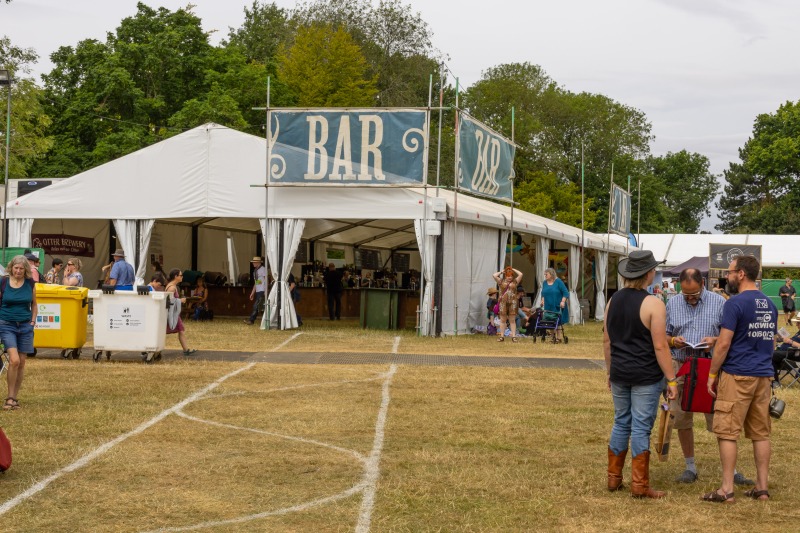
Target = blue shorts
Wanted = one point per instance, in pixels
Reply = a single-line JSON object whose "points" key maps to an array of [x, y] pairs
{"points": [[17, 335]]}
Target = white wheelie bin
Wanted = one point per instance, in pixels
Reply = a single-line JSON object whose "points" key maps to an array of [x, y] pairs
{"points": [[130, 321]]}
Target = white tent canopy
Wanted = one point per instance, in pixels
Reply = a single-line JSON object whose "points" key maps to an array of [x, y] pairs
{"points": [[777, 251], [213, 176]]}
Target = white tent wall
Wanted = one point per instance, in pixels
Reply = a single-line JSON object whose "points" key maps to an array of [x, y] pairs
{"points": [[212, 252], [475, 250], [93, 229]]}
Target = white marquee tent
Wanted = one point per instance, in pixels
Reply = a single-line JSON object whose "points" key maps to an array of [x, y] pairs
{"points": [[777, 251], [212, 177]]}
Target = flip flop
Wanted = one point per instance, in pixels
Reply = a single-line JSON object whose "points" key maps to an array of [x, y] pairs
{"points": [[716, 497], [189, 352], [9, 404]]}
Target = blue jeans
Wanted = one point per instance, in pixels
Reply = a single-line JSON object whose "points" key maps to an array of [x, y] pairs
{"points": [[635, 411], [256, 302]]}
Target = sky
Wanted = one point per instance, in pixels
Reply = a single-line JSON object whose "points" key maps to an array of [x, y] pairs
{"points": [[701, 70]]}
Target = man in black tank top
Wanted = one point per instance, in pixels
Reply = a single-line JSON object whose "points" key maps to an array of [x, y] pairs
{"points": [[637, 359]]}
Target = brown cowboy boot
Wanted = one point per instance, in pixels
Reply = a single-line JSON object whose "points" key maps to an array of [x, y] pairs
{"points": [[640, 485], [615, 464]]}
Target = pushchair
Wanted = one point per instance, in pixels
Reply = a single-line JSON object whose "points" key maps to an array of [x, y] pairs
{"points": [[544, 324]]}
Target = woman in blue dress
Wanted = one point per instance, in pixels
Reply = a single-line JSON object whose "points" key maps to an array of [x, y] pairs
{"points": [[555, 296]]}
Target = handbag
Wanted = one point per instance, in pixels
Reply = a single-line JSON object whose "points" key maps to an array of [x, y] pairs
{"points": [[496, 309], [5, 452], [695, 397]]}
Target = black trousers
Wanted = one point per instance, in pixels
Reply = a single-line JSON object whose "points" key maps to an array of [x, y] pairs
{"points": [[334, 305]]}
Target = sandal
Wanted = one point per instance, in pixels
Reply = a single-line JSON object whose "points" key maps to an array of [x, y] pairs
{"points": [[9, 404], [716, 497], [189, 352], [500, 339], [757, 494], [513, 339]]}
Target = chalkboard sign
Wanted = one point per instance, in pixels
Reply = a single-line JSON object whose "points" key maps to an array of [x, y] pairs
{"points": [[400, 262], [302, 253], [369, 259]]}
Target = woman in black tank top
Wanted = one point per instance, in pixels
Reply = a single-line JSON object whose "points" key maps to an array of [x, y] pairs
{"points": [[637, 360]]}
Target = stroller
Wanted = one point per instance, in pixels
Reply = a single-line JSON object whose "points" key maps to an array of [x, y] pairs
{"points": [[544, 324]]}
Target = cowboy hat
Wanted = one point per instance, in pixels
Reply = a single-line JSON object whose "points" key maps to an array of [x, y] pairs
{"points": [[491, 291], [253, 260], [119, 253], [637, 264]]}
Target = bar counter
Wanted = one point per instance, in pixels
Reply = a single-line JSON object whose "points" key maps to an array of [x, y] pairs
{"points": [[235, 301]]}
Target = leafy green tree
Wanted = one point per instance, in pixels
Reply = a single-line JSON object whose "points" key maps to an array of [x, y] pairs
{"points": [[29, 124], [686, 187], [395, 41], [543, 193], [325, 67], [761, 194], [266, 29]]}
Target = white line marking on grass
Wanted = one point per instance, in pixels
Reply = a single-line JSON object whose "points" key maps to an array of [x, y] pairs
{"points": [[286, 510], [287, 341], [345, 451], [396, 344], [372, 469], [97, 452], [382, 375]]}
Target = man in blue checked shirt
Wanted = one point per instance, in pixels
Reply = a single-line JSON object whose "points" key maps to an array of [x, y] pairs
{"points": [[693, 318]]}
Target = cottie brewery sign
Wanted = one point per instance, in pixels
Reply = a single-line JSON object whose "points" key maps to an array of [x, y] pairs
{"points": [[347, 147], [485, 159], [619, 216]]}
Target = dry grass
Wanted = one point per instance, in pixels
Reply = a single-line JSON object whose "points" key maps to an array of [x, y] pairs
{"points": [[346, 336], [466, 449]]}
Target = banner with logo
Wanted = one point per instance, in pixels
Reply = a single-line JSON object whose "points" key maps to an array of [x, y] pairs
{"points": [[59, 244], [619, 220], [485, 159], [721, 255], [348, 147]]}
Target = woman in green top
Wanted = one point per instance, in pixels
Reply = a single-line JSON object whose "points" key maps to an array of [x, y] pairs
{"points": [[17, 318]]}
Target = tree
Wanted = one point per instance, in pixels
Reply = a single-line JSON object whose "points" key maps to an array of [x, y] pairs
{"points": [[542, 193], [761, 194], [395, 41], [325, 67], [686, 187], [29, 123], [265, 31]]}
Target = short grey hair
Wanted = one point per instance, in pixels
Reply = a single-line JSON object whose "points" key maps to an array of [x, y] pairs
{"points": [[551, 271], [20, 260]]}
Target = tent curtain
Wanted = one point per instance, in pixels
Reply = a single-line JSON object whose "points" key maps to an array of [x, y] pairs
{"points": [[574, 274], [542, 258], [293, 230], [428, 262], [19, 232], [501, 253], [600, 284], [126, 235]]}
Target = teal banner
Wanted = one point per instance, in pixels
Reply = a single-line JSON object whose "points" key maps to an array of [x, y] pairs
{"points": [[485, 159], [348, 147], [620, 216]]}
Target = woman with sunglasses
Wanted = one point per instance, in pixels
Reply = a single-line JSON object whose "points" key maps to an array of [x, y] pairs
{"points": [[72, 274]]}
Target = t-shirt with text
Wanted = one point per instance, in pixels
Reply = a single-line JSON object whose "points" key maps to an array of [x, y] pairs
{"points": [[753, 319]]}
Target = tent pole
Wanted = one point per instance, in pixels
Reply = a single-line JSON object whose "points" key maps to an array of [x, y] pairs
{"points": [[266, 209], [455, 223], [424, 228], [511, 180]]}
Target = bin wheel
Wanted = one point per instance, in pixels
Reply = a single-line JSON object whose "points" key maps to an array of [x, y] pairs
{"points": [[108, 356], [534, 339], [76, 353], [97, 355], [157, 356], [566, 339], [149, 357], [64, 354], [33, 353]]}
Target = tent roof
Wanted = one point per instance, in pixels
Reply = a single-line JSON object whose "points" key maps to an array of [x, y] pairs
{"points": [[700, 263], [776, 250], [214, 176]]}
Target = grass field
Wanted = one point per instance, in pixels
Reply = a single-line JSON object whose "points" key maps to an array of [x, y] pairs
{"points": [[240, 447]]}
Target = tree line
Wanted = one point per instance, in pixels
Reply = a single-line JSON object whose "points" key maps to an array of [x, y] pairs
{"points": [[157, 74]]}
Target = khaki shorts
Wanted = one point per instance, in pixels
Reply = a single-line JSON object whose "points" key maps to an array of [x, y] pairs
{"points": [[684, 420], [742, 402]]}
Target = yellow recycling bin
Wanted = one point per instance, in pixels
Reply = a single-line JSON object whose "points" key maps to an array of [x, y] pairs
{"points": [[61, 318]]}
